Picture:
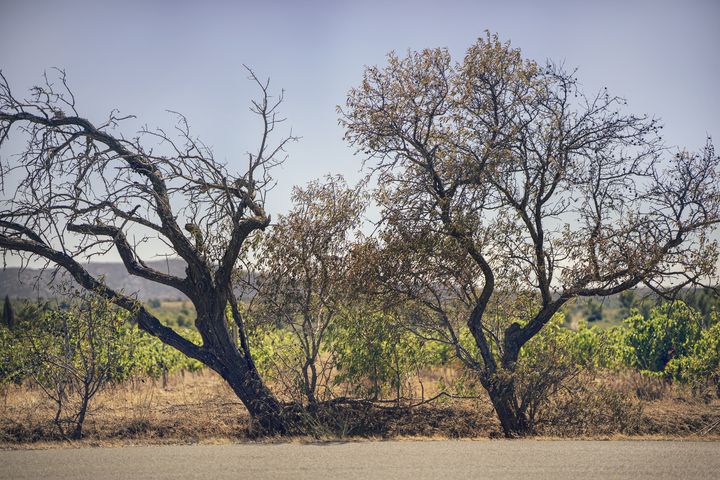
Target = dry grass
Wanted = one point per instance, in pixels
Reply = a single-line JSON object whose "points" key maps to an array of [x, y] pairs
{"points": [[192, 407], [200, 408], [630, 405]]}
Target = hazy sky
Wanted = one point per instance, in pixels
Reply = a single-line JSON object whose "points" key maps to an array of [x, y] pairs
{"points": [[146, 57]]}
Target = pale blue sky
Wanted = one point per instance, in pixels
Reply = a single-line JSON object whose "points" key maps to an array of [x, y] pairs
{"points": [[145, 57]]}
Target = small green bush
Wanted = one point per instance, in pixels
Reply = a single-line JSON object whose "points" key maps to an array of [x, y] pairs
{"points": [[670, 331], [701, 368], [377, 356]]}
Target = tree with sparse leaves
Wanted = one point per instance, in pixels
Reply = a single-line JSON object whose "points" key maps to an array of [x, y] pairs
{"points": [[304, 273], [506, 192]]}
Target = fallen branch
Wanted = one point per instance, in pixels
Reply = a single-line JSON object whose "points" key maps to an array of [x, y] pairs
{"points": [[709, 429]]}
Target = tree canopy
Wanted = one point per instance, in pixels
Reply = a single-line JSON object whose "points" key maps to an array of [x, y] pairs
{"points": [[504, 186]]}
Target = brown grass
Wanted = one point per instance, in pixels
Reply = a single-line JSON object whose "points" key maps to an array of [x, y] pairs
{"points": [[200, 408], [192, 407]]}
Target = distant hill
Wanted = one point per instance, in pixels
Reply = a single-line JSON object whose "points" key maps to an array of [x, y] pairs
{"points": [[33, 283]]}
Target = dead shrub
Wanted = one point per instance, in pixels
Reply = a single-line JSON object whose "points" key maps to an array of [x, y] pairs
{"points": [[587, 406], [643, 386]]}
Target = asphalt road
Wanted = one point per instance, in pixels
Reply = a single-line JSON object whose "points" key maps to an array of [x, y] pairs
{"points": [[437, 460]]}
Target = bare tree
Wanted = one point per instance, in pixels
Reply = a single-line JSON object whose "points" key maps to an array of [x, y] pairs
{"points": [[507, 192], [79, 189], [304, 272]]}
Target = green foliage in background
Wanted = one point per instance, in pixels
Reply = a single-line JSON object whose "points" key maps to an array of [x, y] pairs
{"points": [[673, 341], [374, 355], [377, 356], [128, 352], [152, 358], [278, 356], [701, 367], [670, 331]]}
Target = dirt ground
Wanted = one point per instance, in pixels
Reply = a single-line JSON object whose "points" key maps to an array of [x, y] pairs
{"points": [[200, 408]]}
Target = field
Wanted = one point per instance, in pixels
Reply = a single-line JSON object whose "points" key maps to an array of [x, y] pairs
{"points": [[200, 408], [647, 376], [176, 313]]}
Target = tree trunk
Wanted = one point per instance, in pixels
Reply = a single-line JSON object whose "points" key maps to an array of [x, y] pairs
{"points": [[261, 404], [513, 420], [235, 366], [309, 372], [80, 421]]}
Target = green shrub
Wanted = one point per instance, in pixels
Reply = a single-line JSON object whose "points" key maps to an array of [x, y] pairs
{"points": [[71, 354], [701, 368], [670, 331], [377, 356], [133, 352], [545, 363], [278, 357], [11, 365]]}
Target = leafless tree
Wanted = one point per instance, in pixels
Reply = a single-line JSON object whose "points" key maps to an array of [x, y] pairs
{"points": [[507, 192], [79, 189], [304, 269]]}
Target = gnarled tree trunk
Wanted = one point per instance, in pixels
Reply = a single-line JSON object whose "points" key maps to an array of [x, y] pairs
{"points": [[233, 360], [502, 393]]}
